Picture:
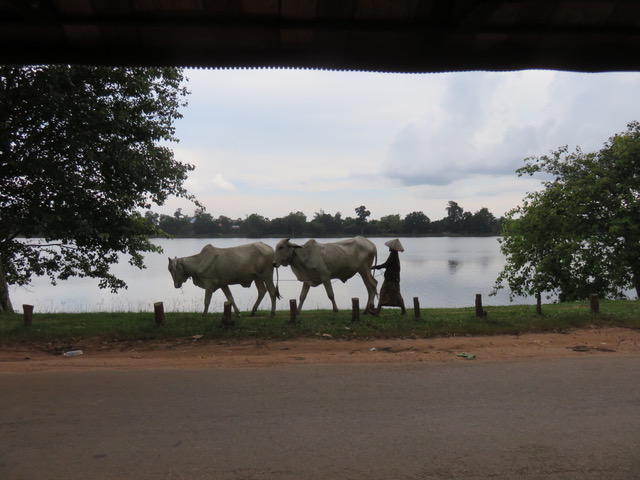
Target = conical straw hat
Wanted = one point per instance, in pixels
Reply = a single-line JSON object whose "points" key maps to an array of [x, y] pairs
{"points": [[395, 245]]}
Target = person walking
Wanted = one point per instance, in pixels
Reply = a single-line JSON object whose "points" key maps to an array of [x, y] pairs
{"points": [[390, 295]]}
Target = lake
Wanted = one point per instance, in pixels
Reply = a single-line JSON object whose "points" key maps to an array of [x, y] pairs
{"points": [[440, 271]]}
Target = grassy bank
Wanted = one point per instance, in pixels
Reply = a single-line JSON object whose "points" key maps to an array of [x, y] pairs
{"points": [[65, 327]]}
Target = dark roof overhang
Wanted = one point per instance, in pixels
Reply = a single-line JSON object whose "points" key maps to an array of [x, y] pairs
{"points": [[410, 36]]}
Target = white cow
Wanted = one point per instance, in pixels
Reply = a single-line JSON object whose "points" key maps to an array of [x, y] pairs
{"points": [[215, 268], [317, 263]]}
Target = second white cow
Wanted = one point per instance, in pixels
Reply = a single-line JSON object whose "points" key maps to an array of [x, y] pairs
{"points": [[318, 263]]}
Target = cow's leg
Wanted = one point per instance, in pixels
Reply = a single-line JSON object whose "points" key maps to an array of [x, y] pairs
{"points": [[303, 295], [271, 288], [207, 300], [371, 284], [329, 289], [227, 293], [261, 291]]}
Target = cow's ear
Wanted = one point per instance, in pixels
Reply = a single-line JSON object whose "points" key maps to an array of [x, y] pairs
{"points": [[295, 246]]}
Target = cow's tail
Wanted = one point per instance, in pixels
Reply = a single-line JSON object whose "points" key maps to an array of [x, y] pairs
{"points": [[278, 296]]}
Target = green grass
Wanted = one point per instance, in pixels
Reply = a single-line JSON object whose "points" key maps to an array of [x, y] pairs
{"points": [[136, 326]]}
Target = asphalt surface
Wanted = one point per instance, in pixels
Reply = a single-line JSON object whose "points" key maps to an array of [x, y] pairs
{"points": [[542, 419]]}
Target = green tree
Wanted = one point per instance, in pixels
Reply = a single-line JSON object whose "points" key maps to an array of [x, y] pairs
{"points": [[204, 223], [226, 224], [178, 225], [255, 225], [483, 222], [82, 149], [391, 224], [373, 228], [416, 223], [361, 217], [455, 217], [296, 223], [152, 217], [350, 226], [326, 224], [580, 234]]}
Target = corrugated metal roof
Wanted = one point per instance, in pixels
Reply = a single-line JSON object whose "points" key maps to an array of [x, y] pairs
{"points": [[374, 35]]}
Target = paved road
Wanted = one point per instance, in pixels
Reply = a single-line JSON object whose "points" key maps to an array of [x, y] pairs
{"points": [[544, 419]]}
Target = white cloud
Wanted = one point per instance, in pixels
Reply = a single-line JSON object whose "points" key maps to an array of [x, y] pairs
{"points": [[220, 182], [275, 141], [492, 121]]}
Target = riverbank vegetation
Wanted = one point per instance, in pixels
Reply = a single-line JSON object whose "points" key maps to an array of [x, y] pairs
{"points": [[457, 221], [71, 330]]}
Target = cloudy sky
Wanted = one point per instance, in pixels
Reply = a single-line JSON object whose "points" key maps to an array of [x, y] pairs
{"points": [[273, 142]]}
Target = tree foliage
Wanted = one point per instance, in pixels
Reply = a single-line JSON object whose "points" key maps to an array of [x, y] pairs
{"points": [[323, 224], [361, 217], [82, 149], [580, 234]]}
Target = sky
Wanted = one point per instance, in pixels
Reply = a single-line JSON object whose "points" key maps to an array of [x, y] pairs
{"points": [[276, 141]]}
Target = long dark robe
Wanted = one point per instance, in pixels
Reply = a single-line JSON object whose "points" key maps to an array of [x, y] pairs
{"points": [[390, 295]]}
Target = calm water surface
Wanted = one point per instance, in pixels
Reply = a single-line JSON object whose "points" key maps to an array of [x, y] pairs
{"points": [[440, 271]]}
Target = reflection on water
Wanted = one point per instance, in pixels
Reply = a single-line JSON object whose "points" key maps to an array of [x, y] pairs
{"points": [[483, 262], [454, 266], [440, 271]]}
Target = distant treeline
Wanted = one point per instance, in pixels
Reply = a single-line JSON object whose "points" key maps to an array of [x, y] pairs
{"points": [[296, 224]]}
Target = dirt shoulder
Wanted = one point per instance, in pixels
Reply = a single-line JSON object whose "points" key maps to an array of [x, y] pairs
{"points": [[198, 353]]}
